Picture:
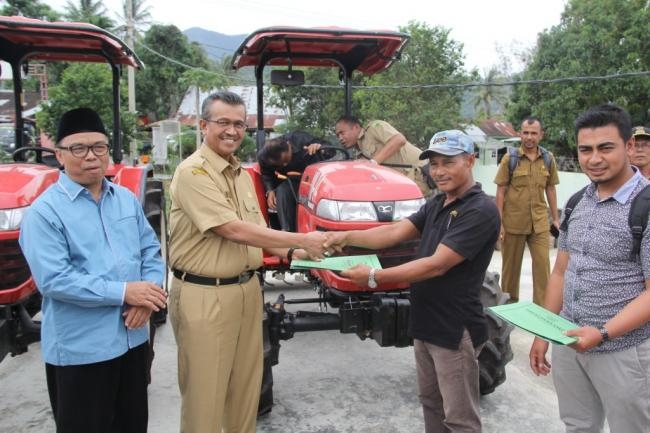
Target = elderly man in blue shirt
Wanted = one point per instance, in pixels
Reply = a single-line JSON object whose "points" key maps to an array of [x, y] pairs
{"points": [[97, 263]]}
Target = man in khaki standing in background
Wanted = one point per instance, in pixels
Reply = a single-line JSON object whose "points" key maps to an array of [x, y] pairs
{"points": [[641, 150], [524, 215]]}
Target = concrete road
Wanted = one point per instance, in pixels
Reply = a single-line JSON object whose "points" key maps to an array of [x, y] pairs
{"points": [[326, 382]]}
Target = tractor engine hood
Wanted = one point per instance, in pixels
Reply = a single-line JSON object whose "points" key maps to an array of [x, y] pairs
{"points": [[355, 181], [22, 183]]}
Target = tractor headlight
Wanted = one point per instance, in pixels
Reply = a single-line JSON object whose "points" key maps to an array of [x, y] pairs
{"points": [[346, 210], [10, 219], [406, 208]]}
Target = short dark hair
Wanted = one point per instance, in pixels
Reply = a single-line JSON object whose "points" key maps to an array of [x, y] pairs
{"points": [[603, 115], [532, 119], [349, 119], [273, 150], [229, 98]]}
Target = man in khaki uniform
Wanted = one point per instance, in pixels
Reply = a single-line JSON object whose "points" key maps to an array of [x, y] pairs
{"points": [[641, 150], [524, 215], [380, 143], [216, 235]]}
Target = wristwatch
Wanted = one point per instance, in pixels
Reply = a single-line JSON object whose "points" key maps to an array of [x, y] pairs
{"points": [[604, 334], [372, 283]]}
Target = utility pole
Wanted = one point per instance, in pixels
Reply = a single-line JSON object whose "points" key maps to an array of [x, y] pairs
{"points": [[130, 38], [198, 116]]}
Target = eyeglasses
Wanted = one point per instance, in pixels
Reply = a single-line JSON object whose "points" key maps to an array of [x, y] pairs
{"points": [[81, 150], [225, 124]]}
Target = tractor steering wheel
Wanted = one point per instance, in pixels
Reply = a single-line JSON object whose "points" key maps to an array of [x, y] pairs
{"points": [[332, 153], [20, 155]]}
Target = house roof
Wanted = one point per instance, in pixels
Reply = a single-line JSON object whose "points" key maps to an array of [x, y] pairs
{"points": [[498, 129], [30, 102]]}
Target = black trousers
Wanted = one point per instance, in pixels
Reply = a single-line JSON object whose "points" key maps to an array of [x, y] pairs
{"points": [[285, 197], [104, 397]]}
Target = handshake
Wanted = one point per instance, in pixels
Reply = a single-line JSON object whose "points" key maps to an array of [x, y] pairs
{"points": [[317, 245]]}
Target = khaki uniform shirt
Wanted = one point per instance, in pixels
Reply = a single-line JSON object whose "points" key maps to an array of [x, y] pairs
{"points": [[525, 209], [207, 191], [375, 136]]}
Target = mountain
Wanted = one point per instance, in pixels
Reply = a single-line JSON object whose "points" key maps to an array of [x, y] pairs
{"points": [[215, 44]]}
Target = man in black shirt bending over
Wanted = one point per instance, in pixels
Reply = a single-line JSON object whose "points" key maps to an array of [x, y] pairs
{"points": [[284, 155]]}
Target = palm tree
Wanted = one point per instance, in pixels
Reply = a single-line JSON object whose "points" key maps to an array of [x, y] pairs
{"points": [[490, 93], [140, 16], [89, 11]]}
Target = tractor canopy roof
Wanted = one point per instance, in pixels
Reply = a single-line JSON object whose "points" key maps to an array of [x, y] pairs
{"points": [[368, 52], [26, 38]]}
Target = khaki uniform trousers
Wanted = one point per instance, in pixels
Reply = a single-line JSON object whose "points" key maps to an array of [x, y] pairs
{"points": [[512, 254], [218, 331]]}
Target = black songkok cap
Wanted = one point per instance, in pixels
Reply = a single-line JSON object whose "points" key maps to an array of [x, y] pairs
{"points": [[79, 120]]}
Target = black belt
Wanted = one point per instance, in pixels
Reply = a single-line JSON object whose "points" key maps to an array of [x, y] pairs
{"points": [[207, 281]]}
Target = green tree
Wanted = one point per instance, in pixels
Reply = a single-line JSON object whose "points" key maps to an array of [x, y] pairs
{"points": [[84, 85], [490, 95], [431, 56], [30, 9], [167, 54], [594, 38], [88, 11]]}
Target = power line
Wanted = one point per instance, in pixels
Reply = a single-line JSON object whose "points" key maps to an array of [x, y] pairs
{"points": [[576, 79], [195, 68]]}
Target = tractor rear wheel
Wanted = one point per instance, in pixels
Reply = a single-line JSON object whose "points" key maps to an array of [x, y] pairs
{"points": [[497, 351], [155, 212]]}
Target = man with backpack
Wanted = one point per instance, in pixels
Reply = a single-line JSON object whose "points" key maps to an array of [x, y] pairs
{"points": [[601, 282], [525, 174]]}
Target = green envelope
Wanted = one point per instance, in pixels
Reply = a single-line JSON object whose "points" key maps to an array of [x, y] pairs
{"points": [[536, 320], [338, 263]]}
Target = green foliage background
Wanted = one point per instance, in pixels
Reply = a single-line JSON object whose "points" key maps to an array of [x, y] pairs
{"points": [[594, 37]]}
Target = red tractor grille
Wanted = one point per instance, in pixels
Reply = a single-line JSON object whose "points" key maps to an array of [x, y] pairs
{"points": [[13, 266]]}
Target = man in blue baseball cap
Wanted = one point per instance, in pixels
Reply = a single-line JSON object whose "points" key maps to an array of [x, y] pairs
{"points": [[457, 230]]}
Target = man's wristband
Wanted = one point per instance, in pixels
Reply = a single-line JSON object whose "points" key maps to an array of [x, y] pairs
{"points": [[290, 254]]}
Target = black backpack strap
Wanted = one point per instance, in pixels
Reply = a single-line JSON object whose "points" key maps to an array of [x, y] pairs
{"points": [[513, 160], [638, 220], [568, 208], [546, 157]]}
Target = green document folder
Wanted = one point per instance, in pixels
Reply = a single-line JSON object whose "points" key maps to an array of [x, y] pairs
{"points": [[536, 320], [340, 263]]}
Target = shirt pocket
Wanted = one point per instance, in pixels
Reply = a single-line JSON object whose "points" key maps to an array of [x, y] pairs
{"points": [[126, 230], [519, 176], [541, 176], [252, 212]]}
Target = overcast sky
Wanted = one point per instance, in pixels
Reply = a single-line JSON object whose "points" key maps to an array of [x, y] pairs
{"points": [[480, 25]]}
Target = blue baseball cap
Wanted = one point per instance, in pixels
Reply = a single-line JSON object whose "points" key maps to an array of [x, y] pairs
{"points": [[450, 143]]}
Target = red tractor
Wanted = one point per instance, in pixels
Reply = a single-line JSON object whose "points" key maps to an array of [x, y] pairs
{"points": [[23, 40], [348, 195]]}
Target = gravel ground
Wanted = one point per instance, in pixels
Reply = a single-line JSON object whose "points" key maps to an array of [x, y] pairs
{"points": [[326, 382]]}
